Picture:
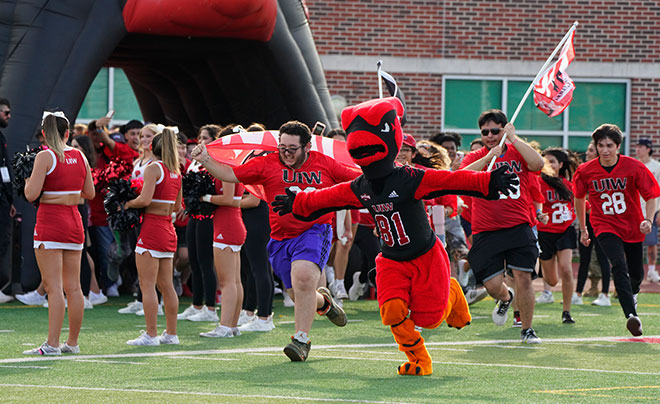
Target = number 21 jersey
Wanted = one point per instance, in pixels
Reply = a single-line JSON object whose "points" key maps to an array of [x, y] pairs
{"points": [[614, 196]]}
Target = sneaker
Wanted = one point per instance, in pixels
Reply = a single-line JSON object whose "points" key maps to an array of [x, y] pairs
{"points": [[160, 311], [112, 290], [576, 299], [635, 300], [277, 290], [190, 311], [653, 276], [205, 315], [245, 318], [144, 340], [167, 339], [132, 308], [500, 313], [329, 274], [235, 331], [32, 298], [297, 351], [5, 298], [66, 348], [475, 295], [97, 298], [602, 301], [259, 325], [88, 304], [288, 301], [517, 322], [357, 289], [529, 336], [634, 325], [333, 312], [338, 289], [220, 331], [44, 349], [593, 290], [545, 297], [463, 277], [566, 318]]}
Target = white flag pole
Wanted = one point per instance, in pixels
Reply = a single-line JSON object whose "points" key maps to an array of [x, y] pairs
{"points": [[531, 86], [380, 80]]}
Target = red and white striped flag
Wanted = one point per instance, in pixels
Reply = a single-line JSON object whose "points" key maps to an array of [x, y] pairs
{"points": [[553, 91]]}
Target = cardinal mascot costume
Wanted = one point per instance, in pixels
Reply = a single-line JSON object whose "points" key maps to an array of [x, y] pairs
{"points": [[412, 270]]}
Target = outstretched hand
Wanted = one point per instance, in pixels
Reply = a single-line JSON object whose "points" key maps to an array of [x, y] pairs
{"points": [[283, 204], [501, 181]]}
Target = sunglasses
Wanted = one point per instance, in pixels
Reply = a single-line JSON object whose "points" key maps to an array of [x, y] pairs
{"points": [[7, 112], [494, 131], [290, 150]]}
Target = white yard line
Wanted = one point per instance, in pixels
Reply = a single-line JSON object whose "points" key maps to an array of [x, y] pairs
{"points": [[203, 358], [25, 367], [106, 361], [196, 393], [6, 330]]}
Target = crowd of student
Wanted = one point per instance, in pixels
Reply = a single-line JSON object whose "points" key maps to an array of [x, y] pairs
{"points": [[230, 258]]}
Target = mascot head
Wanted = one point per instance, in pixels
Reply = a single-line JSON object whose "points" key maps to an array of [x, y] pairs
{"points": [[374, 134]]}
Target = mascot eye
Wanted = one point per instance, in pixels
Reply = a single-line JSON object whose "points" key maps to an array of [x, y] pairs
{"points": [[386, 128]]}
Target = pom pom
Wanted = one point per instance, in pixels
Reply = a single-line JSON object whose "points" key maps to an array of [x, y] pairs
{"points": [[22, 166], [196, 185], [114, 170], [119, 192]]}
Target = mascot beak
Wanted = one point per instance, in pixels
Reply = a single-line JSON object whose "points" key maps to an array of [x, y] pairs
{"points": [[366, 147]]}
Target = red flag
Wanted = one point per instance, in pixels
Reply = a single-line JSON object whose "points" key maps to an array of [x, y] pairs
{"points": [[235, 150], [554, 89]]}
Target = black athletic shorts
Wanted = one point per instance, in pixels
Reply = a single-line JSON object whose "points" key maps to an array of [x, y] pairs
{"points": [[181, 236], [514, 247], [552, 242]]}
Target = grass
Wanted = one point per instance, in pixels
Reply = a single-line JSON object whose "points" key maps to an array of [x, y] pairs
{"points": [[593, 361]]}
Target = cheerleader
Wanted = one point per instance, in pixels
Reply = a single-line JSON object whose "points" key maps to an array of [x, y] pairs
{"points": [[60, 177], [161, 196]]}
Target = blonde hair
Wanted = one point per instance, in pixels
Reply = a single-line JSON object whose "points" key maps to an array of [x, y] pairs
{"points": [[55, 128], [432, 155], [164, 147]]}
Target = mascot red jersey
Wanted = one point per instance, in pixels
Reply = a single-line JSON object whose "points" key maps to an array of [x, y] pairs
{"points": [[412, 271]]}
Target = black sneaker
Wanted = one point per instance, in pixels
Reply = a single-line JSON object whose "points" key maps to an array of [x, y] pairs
{"points": [[334, 312], [634, 325], [297, 351], [566, 318], [517, 322], [529, 336], [501, 309]]}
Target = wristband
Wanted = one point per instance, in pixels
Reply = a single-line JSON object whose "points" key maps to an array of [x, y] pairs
{"points": [[647, 220], [206, 198]]}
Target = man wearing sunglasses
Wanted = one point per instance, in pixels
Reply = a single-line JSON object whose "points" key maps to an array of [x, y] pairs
{"points": [[7, 209], [502, 229], [297, 250]]}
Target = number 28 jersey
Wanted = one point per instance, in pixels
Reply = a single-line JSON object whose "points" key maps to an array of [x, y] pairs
{"points": [[614, 196], [561, 211]]}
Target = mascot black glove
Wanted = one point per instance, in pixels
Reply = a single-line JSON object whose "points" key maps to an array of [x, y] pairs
{"points": [[501, 181], [283, 204]]}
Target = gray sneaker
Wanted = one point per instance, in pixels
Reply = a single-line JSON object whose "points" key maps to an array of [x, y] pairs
{"points": [[528, 336], [66, 348], [334, 312], [167, 339], [297, 351], [219, 332], [44, 349], [500, 313]]}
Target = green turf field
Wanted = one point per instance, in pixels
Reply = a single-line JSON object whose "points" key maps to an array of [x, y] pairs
{"points": [[593, 361]]}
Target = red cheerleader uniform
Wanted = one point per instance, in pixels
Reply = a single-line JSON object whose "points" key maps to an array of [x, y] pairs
{"points": [[157, 233], [60, 226], [228, 228]]}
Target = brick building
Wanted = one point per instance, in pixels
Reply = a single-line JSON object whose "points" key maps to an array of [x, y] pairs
{"points": [[454, 59]]}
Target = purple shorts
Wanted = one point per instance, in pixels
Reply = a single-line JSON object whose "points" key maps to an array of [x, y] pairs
{"points": [[313, 245]]}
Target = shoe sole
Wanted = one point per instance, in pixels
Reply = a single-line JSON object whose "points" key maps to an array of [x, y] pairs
{"points": [[293, 353], [634, 325], [341, 320]]}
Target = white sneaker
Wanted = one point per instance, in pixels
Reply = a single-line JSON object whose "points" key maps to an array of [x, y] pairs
{"points": [[132, 308], [635, 300], [259, 325], [288, 302], [88, 304], [44, 349], [97, 298], [338, 289], [653, 276], [329, 274], [112, 290], [205, 315], [5, 298], [167, 339], [144, 340], [235, 331], [66, 348], [188, 312], [463, 276], [602, 300], [245, 318], [357, 289], [545, 297], [66, 304], [277, 291], [576, 299], [500, 312], [475, 295], [219, 332], [160, 311], [32, 298]]}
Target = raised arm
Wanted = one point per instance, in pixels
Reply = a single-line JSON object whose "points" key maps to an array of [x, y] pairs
{"points": [[480, 184], [309, 206], [220, 171]]}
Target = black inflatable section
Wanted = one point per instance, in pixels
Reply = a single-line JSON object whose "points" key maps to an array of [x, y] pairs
{"points": [[51, 51]]}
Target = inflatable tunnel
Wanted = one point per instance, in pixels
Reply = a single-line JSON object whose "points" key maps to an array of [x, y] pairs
{"points": [[189, 63]]}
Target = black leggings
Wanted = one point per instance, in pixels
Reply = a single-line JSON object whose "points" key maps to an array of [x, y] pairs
{"points": [[85, 269], [627, 268], [585, 259], [256, 275], [199, 235]]}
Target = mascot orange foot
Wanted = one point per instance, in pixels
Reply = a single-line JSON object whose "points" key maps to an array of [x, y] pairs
{"points": [[457, 311]]}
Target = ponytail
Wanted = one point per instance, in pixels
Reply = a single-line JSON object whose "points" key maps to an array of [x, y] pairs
{"points": [[164, 147], [54, 126]]}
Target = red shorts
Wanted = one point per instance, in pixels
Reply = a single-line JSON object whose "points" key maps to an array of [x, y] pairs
{"points": [[422, 283], [157, 236], [228, 228], [59, 227]]}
